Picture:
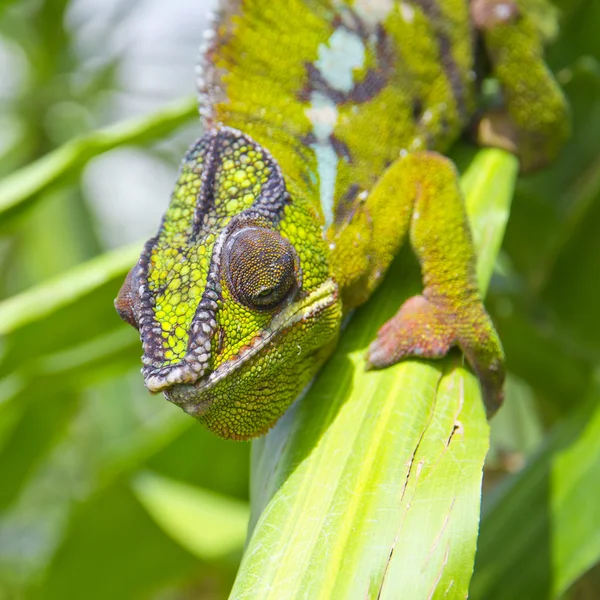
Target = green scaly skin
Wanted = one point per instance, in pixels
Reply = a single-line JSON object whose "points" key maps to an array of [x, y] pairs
{"points": [[325, 120]]}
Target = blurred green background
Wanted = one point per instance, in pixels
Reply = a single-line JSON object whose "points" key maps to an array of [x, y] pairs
{"points": [[107, 489]]}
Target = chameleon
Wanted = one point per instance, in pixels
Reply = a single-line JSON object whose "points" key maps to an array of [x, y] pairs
{"points": [[326, 124]]}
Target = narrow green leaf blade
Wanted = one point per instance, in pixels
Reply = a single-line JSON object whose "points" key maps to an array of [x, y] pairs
{"points": [[20, 189], [67, 288], [488, 187]]}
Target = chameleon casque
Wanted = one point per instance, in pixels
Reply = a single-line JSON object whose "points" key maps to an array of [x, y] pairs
{"points": [[324, 122]]}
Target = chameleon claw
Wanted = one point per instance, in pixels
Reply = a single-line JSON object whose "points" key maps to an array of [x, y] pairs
{"points": [[418, 329], [422, 329]]}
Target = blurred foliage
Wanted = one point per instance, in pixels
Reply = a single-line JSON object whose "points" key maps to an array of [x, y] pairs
{"points": [[90, 464]]}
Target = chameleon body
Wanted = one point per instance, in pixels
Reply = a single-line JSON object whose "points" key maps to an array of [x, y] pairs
{"points": [[324, 125]]}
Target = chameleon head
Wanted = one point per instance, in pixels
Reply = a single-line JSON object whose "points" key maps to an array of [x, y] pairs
{"points": [[233, 299]]}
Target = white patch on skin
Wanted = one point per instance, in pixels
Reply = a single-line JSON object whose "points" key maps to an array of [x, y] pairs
{"points": [[337, 60], [503, 11], [327, 161], [373, 11], [416, 144], [323, 115], [407, 12]]}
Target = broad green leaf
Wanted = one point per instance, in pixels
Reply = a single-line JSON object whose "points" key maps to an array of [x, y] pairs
{"points": [[113, 549], [208, 524], [226, 472], [579, 33], [20, 189], [516, 431], [117, 429], [69, 321], [541, 531], [68, 288], [547, 358], [56, 341], [41, 419], [371, 483]]}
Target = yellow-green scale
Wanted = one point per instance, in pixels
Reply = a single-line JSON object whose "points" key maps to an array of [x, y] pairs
{"points": [[177, 272]]}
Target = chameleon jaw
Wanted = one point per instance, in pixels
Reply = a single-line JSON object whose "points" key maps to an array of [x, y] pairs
{"points": [[189, 395]]}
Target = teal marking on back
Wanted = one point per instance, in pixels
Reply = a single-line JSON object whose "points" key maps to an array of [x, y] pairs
{"points": [[343, 53], [323, 115], [338, 58]]}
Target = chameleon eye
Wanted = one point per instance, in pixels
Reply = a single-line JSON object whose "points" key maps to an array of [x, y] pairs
{"points": [[262, 268]]}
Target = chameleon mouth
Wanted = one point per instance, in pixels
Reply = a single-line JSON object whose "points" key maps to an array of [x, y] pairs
{"points": [[323, 297]]}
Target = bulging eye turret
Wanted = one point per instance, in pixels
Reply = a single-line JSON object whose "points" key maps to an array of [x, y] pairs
{"points": [[262, 267]]}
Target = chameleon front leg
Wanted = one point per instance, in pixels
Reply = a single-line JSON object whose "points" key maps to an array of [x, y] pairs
{"points": [[535, 119], [423, 189]]}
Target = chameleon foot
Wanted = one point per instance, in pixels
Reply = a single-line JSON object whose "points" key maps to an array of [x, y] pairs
{"points": [[424, 329], [419, 328]]}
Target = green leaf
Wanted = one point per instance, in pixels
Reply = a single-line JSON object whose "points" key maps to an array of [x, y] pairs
{"points": [[68, 288], [207, 524], [542, 529], [548, 319], [516, 431], [32, 434], [117, 430], [371, 483], [488, 186], [68, 323], [57, 336], [113, 549], [20, 189]]}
